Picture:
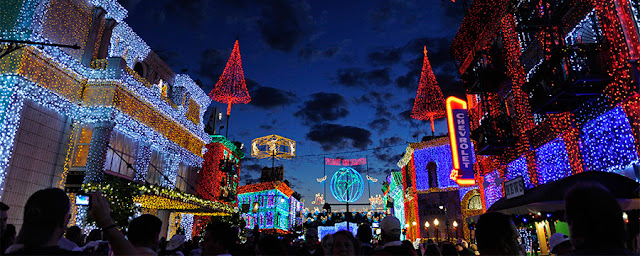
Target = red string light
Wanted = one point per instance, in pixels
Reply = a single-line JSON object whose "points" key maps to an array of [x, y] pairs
{"points": [[231, 88], [429, 103]]}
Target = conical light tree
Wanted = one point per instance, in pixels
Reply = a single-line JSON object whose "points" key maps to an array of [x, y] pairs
{"points": [[231, 88], [429, 103]]}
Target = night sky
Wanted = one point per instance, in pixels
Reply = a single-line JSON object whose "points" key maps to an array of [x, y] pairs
{"points": [[338, 77]]}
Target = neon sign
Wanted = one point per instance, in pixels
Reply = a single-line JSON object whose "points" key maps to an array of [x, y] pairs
{"points": [[461, 147], [345, 162]]}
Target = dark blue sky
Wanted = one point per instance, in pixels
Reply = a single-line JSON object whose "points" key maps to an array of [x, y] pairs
{"points": [[335, 76]]}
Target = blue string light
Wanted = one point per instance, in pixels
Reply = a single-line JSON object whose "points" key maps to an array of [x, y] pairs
{"points": [[441, 155], [607, 143], [519, 168], [552, 161], [492, 191]]}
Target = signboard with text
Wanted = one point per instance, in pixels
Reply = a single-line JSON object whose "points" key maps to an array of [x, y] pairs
{"points": [[461, 146], [514, 188]]}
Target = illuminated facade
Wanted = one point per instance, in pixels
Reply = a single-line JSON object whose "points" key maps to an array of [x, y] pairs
{"points": [[271, 206], [431, 194], [552, 90], [549, 101], [111, 107]]}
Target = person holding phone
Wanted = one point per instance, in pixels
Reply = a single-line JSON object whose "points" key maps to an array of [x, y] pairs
{"points": [[46, 216]]}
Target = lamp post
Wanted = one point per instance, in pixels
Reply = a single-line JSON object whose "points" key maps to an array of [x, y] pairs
{"points": [[435, 223], [455, 228], [426, 228]]}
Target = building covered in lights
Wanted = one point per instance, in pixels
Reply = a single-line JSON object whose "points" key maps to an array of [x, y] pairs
{"points": [[271, 206], [552, 90], [430, 194], [111, 110]]}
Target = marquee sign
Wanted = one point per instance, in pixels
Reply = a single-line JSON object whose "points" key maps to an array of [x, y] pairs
{"points": [[345, 162], [461, 146]]}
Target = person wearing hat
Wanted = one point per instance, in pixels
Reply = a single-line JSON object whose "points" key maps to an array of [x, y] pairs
{"points": [[175, 245], [390, 234], [560, 244]]}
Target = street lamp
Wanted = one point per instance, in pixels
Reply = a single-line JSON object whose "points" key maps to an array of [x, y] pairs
{"points": [[426, 227], [455, 228], [436, 222]]}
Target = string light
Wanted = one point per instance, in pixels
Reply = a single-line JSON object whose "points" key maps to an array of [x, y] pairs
{"points": [[273, 146], [429, 102], [519, 168], [231, 88], [213, 182], [607, 142], [552, 161], [492, 192], [274, 206]]}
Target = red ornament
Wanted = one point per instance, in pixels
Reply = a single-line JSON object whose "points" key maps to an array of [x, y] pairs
{"points": [[231, 88], [429, 102]]}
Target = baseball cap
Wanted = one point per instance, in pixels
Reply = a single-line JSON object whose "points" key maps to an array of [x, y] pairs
{"points": [[557, 239], [390, 225]]}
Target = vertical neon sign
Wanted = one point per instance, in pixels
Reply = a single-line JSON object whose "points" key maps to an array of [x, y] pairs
{"points": [[461, 148]]}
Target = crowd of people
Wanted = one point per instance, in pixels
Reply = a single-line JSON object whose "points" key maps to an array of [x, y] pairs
{"points": [[594, 217]]}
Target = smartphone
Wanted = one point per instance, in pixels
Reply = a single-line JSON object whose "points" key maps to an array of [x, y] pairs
{"points": [[83, 200]]}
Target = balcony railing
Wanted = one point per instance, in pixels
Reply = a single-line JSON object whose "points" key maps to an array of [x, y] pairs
{"points": [[487, 75], [570, 76]]}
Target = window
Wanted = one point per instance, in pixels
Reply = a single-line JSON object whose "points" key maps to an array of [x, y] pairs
{"points": [[156, 166], [186, 178], [475, 203], [121, 153], [82, 147]]}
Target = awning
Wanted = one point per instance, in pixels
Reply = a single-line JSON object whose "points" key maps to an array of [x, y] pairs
{"points": [[550, 197]]}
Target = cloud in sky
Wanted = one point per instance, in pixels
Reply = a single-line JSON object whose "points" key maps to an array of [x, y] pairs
{"points": [[323, 107], [335, 136]]}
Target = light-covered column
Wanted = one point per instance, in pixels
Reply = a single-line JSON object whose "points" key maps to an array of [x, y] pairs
{"points": [[143, 158], [100, 139]]}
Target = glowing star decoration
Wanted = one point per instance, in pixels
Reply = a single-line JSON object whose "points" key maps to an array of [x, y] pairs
{"points": [[322, 179], [461, 148], [429, 103], [372, 179], [273, 146], [231, 88], [347, 185]]}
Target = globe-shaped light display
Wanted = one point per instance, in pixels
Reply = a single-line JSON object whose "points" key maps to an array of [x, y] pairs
{"points": [[347, 185]]}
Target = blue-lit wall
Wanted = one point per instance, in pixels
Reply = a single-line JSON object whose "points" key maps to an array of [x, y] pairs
{"points": [[607, 143], [441, 155], [552, 161], [273, 210], [519, 168]]}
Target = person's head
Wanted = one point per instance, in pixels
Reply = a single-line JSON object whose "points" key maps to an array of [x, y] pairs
{"points": [[364, 233], [144, 231], [594, 216], [464, 244], [74, 234], [345, 244], [560, 244], [218, 238], [448, 249], [311, 237], [270, 245], [94, 235], [176, 242], [497, 235], [432, 250], [327, 243], [473, 247], [4, 216], [46, 215], [390, 229], [459, 247]]}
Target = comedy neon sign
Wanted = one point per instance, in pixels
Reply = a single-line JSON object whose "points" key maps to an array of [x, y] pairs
{"points": [[461, 147]]}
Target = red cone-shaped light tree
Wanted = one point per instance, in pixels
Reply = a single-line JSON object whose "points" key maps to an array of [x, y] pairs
{"points": [[231, 88], [429, 102]]}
